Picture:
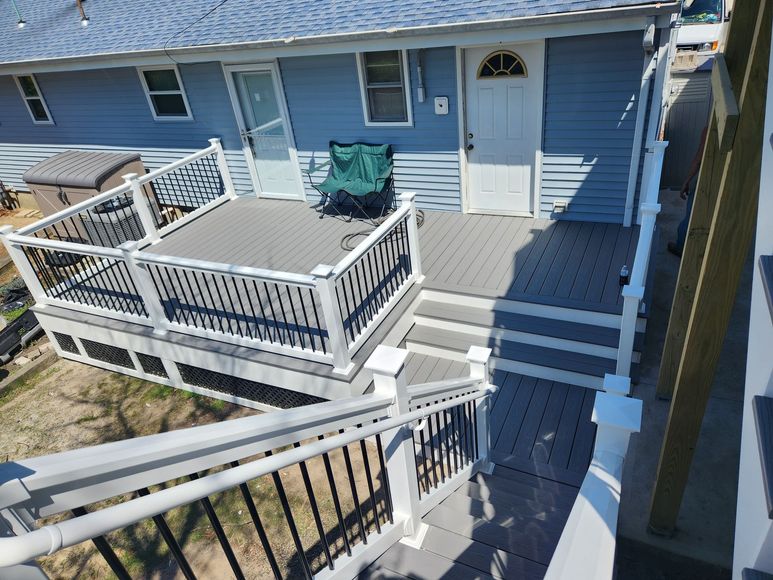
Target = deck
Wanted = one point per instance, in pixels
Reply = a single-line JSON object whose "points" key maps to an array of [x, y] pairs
{"points": [[507, 524], [573, 264]]}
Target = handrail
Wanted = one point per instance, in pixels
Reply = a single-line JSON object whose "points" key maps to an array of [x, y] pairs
{"points": [[176, 164], [48, 539], [303, 280], [74, 247], [368, 243], [428, 389]]}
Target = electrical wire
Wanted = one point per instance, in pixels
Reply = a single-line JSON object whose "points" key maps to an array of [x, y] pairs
{"points": [[179, 32], [349, 241]]}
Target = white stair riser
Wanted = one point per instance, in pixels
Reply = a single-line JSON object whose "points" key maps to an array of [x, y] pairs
{"points": [[523, 337], [528, 369], [604, 319]]}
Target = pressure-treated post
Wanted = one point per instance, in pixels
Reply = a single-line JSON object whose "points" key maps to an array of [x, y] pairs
{"points": [[478, 358], [145, 287], [142, 207], [409, 199], [388, 367], [325, 281], [222, 165], [23, 265]]}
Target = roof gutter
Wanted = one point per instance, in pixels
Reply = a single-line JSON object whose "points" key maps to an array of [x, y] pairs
{"points": [[379, 34]]}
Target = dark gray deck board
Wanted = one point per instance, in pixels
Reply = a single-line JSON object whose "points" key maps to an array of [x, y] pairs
{"points": [[763, 421], [515, 414], [566, 282], [567, 427], [582, 447], [423, 565], [546, 433]]}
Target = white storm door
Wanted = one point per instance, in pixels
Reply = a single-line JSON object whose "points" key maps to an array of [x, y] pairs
{"points": [[265, 131], [504, 126]]}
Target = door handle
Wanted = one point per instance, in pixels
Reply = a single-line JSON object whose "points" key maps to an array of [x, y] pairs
{"points": [[470, 146]]}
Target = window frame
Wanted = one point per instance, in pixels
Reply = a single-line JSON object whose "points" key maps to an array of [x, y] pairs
{"points": [[40, 97], [149, 94], [406, 85]]}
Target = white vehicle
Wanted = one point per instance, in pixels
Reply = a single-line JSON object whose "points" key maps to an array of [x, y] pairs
{"points": [[702, 24]]}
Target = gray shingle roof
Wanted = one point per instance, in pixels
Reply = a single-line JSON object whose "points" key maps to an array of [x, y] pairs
{"points": [[53, 29]]}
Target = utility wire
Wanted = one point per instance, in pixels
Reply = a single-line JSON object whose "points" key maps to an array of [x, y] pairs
{"points": [[185, 29]]}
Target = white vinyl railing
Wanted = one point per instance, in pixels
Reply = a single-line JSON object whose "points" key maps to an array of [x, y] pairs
{"points": [[586, 549], [81, 259], [633, 292], [45, 486]]}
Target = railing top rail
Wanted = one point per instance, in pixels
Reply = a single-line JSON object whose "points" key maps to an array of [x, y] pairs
{"points": [[65, 246], [124, 188], [374, 238], [302, 280], [48, 539], [177, 164], [440, 387]]}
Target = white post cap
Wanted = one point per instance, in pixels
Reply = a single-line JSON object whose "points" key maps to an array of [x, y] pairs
{"points": [[386, 360], [617, 385]]}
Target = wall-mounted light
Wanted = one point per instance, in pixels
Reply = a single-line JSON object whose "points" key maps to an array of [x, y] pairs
{"points": [[21, 23], [84, 18]]}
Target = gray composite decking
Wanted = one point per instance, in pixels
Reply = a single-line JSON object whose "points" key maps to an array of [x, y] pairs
{"points": [[575, 264], [507, 524]]}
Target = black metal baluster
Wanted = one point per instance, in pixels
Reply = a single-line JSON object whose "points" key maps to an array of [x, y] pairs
{"points": [[171, 542], [315, 510], [473, 434], [273, 314], [242, 310], [369, 480], [252, 309], [422, 452], [316, 319], [182, 297], [223, 313], [463, 434], [374, 285], [307, 326], [259, 526], [384, 476], [447, 438], [355, 496], [455, 437], [280, 490], [474, 418], [284, 314], [100, 543], [195, 299], [344, 315], [216, 311], [295, 317], [233, 309], [214, 521], [432, 449], [171, 312], [354, 301], [439, 445], [266, 327], [364, 304], [336, 502]]}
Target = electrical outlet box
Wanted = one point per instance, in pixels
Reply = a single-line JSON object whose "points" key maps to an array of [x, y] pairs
{"points": [[441, 105]]}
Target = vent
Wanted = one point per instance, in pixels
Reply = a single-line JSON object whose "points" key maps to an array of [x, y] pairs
{"points": [[66, 343], [152, 365], [245, 389], [107, 353]]}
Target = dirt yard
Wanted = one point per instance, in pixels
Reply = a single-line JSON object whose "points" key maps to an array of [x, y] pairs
{"points": [[17, 218], [71, 405]]}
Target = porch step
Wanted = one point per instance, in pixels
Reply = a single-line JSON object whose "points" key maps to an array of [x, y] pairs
{"points": [[403, 561], [515, 356], [527, 328]]}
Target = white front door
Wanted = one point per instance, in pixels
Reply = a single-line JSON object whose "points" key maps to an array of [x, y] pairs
{"points": [[266, 134], [504, 126]]}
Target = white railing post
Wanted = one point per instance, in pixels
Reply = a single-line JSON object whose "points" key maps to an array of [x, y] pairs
{"points": [[586, 549], [388, 367], [339, 347], [658, 149], [222, 165], [632, 295], [23, 265], [617, 385], [409, 199], [478, 358], [145, 287], [142, 206]]}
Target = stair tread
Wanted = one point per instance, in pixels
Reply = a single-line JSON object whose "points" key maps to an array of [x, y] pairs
{"points": [[542, 470], [561, 499], [534, 543], [487, 559], [421, 565], [564, 329], [502, 472], [515, 351], [750, 574]]}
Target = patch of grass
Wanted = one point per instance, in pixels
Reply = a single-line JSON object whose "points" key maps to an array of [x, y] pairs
{"points": [[86, 419], [21, 385], [12, 315], [158, 393]]}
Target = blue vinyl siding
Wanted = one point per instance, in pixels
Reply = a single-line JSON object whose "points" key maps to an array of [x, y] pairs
{"points": [[107, 109], [591, 93], [323, 97]]}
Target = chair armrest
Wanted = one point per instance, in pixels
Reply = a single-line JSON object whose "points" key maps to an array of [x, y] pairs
{"points": [[316, 168]]}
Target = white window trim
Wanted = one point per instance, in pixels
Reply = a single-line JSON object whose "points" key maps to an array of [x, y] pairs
{"points": [[406, 90], [40, 97], [165, 118]]}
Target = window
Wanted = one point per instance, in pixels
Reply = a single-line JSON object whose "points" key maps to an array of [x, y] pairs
{"points": [[165, 93], [33, 98], [502, 63], [385, 87]]}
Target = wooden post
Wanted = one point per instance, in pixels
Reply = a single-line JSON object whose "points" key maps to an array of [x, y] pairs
{"points": [[409, 198], [388, 367], [478, 358], [342, 361], [727, 245], [222, 165], [712, 169], [142, 207], [147, 290]]}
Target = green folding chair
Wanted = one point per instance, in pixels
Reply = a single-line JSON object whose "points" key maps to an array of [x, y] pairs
{"points": [[359, 172]]}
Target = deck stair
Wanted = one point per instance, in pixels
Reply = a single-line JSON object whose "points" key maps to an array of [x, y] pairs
{"points": [[556, 344]]}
